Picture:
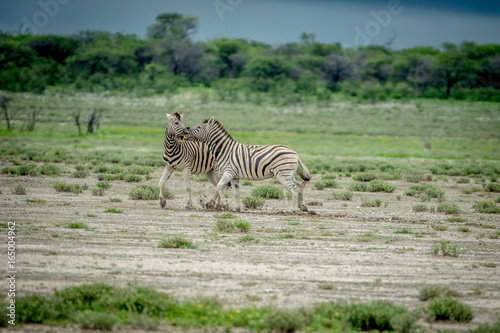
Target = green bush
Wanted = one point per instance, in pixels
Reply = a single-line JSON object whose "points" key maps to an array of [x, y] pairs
{"points": [[343, 195], [463, 180], [371, 203], [364, 176], [80, 174], [486, 206], [243, 225], [27, 170], [224, 225], [19, 189], [373, 186], [445, 249], [145, 192], [378, 316], [132, 178], [326, 183], [492, 187], [420, 208], [61, 186], [98, 191], [103, 184], [448, 208], [177, 242], [430, 291], [93, 320], [253, 202], [268, 191], [50, 170], [447, 308], [226, 215], [358, 186], [286, 320], [139, 170], [425, 191]]}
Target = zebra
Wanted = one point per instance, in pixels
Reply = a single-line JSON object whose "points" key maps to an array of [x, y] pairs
{"points": [[237, 161], [189, 156]]}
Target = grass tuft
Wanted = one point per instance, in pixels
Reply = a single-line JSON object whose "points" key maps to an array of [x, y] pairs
{"points": [[343, 195], [430, 291], [145, 192], [253, 202], [448, 208], [447, 308], [486, 206], [176, 242], [268, 191], [19, 189]]}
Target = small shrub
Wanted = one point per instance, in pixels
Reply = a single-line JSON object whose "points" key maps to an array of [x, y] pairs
{"points": [[246, 238], [142, 170], [279, 320], [103, 184], [101, 169], [98, 191], [446, 249], [447, 308], [145, 192], [431, 291], [343, 195], [364, 176], [358, 186], [268, 191], [426, 191], [486, 206], [420, 208], [371, 203], [226, 215], [115, 169], [470, 190], [94, 320], [448, 208], [414, 177], [243, 225], [77, 225], [253, 202], [456, 219], [27, 170], [19, 189], [378, 316], [247, 183], [50, 170], [328, 176], [176, 242], [80, 174], [61, 186], [463, 180], [113, 210], [440, 227], [492, 187], [380, 186], [224, 225], [132, 178]]}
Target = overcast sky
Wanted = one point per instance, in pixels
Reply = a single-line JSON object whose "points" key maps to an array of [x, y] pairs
{"points": [[352, 23]]}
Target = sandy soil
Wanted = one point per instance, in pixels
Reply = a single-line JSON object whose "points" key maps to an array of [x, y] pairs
{"points": [[342, 252]]}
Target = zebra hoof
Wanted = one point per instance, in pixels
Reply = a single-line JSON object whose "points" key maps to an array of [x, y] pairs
{"points": [[163, 203]]}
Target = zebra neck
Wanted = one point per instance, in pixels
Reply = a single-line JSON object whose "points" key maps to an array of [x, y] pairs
{"points": [[171, 142], [217, 141]]}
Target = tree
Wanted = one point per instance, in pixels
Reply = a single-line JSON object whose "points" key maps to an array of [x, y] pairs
{"points": [[336, 68], [173, 24], [454, 66]]}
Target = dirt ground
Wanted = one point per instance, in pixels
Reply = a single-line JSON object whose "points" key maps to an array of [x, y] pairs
{"points": [[342, 252]]}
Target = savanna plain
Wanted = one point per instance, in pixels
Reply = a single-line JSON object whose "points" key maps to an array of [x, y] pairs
{"points": [[402, 232]]}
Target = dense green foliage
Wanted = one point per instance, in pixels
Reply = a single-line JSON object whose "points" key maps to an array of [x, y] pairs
{"points": [[102, 306], [168, 59]]}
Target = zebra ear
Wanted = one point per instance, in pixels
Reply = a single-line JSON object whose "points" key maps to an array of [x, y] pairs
{"points": [[211, 121], [182, 116], [169, 116]]}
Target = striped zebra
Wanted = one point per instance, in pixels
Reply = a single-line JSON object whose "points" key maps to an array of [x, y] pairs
{"points": [[189, 156], [237, 161]]}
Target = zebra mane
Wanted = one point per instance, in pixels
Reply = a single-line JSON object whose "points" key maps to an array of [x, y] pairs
{"points": [[219, 125]]}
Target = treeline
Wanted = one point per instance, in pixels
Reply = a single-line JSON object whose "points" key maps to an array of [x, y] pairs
{"points": [[168, 59]]}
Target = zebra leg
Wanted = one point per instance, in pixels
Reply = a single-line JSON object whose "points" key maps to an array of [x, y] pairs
{"points": [[236, 188], [216, 198], [301, 196], [187, 182], [167, 172], [226, 178], [288, 182]]}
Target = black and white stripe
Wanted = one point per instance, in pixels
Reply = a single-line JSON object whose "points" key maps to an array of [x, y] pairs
{"points": [[190, 157], [237, 161]]}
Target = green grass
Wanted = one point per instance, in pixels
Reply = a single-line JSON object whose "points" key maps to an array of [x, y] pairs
{"points": [[342, 195], [253, 202], [104, 307], [226, 215], [50, 169], [446, 249], [371, 203], [77, 225], [448, 208], [98, 191], [447, 308], [177, 242], [420, 208], [326, 183], [425, 191], [61, 186], [486, 206], [364, 176], [224, 225], [268, 191], [146, 192], [372, 186], [104, 185], [19, 189], [113, 210], [492, 187], [242, 225]]}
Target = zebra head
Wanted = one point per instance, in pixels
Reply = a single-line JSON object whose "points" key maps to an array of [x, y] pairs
{"points": [[201, 132], [175, 127]]}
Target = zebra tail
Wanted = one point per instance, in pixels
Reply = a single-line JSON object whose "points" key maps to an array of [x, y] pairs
{"points": [[306, 176]]}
